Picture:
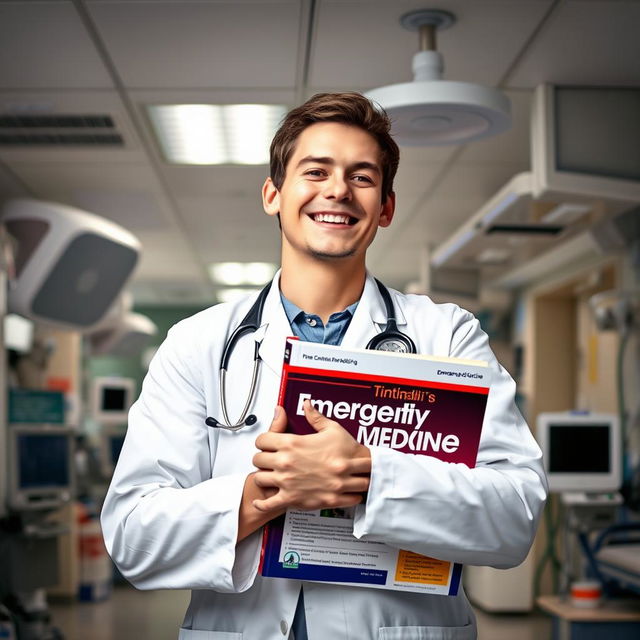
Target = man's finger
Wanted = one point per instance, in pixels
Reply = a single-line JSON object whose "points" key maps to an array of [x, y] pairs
{"points": [[360, 465], [356, 485], [271, 441], [315, 418], [273, 503], [279, 422], [264, 479]]}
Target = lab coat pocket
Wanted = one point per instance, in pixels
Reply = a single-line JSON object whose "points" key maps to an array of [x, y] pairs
{"points": [[196, 634], [468, 632]]}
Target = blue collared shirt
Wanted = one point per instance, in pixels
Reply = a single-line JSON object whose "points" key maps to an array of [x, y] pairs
{"points": [[309, 327]]}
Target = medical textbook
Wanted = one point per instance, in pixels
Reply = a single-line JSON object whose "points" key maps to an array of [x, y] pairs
{"points": [[414, 404]]}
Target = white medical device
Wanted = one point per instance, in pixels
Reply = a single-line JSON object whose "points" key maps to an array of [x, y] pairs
{"points": [[111, 398], [128, 337], [581, 451], [70, 265], [605, 163]]}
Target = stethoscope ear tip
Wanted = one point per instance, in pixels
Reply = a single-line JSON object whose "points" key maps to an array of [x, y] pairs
{"points": [[251, 419]]}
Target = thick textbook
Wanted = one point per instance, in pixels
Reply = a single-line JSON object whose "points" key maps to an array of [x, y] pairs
{"points": [[415, 404]]}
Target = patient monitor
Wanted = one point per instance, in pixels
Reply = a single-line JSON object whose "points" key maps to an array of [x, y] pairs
{"points": [[111, 399], [40, 466], [582, 452]]}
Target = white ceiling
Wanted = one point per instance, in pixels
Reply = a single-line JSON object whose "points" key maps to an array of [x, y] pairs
{"points": [[115, 56]]}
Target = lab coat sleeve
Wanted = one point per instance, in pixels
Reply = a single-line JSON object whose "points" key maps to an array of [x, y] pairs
{"points": [[167, 523], [487, 515]]}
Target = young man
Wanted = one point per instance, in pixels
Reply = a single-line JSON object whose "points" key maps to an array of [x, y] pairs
{"points": [[187, 501]]}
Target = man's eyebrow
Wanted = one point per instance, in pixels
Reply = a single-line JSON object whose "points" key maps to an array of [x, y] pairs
{"points": [[364, 164]]}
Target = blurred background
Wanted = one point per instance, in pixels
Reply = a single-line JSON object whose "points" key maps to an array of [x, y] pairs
{"points": [[134, 141]]}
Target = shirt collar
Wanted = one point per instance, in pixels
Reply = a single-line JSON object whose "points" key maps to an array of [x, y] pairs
{"points": [[295, 313]]}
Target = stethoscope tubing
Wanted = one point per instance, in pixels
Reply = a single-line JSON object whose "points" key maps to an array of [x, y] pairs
{"points": [[251, 323]]}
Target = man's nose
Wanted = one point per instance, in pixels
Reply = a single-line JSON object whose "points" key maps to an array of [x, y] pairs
{"points": [[337, 187]]}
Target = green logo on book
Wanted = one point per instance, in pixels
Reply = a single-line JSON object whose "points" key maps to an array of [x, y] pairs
{"points": [[291, 560]]}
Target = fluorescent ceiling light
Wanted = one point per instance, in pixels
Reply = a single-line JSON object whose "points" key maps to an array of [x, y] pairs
{"points": [[216, 134], [239, 273], [231, 295]]}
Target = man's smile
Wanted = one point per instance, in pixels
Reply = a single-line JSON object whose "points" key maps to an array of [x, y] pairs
{"points": [[332, 218]]}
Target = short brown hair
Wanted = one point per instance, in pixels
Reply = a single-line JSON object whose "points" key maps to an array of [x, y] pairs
{"points": [[347, 108]]}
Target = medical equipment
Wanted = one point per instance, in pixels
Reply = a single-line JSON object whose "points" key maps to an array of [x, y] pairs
{"points": [[111, 398], [69, 265], [126, 338], [111, 441], [391, 339], [581, 453], [40, 466]]}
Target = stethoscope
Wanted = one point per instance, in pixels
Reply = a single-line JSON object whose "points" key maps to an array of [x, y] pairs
{"points": [[391, 339]]}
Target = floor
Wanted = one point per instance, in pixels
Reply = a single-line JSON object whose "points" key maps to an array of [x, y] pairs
{"points": [[155, 615]]}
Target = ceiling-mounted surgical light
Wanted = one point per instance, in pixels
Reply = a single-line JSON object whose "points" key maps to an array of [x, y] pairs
{"points": [[432, 112]]}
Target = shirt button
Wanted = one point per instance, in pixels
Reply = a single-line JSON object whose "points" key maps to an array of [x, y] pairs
{"points": [[312, 322], [284, 627]]}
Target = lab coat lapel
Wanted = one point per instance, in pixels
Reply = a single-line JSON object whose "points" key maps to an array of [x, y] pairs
{"points": [[275, 327], [370, 317]]}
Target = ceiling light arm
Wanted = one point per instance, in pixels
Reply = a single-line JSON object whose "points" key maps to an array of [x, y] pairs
{"points": [[427, 63], [427, 37]]}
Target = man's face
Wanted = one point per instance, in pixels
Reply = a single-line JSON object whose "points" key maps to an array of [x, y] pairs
{"points": [[330, 202]]}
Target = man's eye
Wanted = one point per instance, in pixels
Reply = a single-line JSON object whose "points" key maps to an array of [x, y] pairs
{"points": [[314, 173], [363, 178]]}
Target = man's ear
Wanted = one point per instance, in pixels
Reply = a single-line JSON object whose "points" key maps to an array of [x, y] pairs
{"points": [[270, 198], [388, 209]]}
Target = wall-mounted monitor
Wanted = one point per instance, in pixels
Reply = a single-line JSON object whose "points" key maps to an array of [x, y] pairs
{"points": [[111, 399], [582, 452], [40, 466], [586, 141]]}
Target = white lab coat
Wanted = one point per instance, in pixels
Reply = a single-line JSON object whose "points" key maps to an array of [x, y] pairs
{"points": [[170, 518]]}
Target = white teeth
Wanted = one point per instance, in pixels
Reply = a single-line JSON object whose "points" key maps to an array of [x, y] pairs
{"points": [[331, 217]]}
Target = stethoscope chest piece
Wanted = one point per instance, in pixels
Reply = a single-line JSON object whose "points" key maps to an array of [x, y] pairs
{"points": [[395, 342]]}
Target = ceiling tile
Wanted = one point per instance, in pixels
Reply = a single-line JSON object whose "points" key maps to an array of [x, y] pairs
{"points": [[45, 45], [593, 43], [512, 146], [109, 187], [195, 44], [230, 229]]}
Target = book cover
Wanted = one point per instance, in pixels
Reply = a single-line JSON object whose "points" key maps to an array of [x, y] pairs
{"points": [[415, 404]]}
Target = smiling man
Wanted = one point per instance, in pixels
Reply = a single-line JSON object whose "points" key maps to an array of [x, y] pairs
{"points": [[190, 495]]}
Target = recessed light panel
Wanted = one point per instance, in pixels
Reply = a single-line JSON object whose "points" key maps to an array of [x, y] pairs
{"points": [[205, 134], [242, 273]]}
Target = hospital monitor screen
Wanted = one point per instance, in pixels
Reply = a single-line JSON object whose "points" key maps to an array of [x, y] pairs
{"points": [[603, 163], [112, 440], [41, 466], [581, 452], [112, 398]]}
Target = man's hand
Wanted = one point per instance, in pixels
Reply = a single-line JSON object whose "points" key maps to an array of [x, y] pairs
{"points": [[250, 518], [326, 469]]}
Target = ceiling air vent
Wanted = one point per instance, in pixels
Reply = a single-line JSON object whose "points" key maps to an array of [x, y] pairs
{"points": [[59, 130]]}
